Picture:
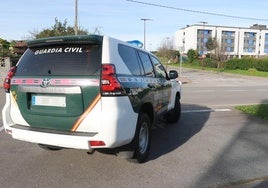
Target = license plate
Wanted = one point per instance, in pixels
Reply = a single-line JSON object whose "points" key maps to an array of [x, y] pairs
{"points": [[49, 100]]}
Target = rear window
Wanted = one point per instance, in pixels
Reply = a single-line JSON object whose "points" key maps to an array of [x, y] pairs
{"points": [[61, 60], [147, 65], [130, 58]]}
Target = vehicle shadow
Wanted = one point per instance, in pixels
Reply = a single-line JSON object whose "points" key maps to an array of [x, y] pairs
{"points": [[168, 137], [243, 161]]}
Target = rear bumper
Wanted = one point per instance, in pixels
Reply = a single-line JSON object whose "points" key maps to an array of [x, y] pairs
{"points": [[112, 126], [56, 138]]}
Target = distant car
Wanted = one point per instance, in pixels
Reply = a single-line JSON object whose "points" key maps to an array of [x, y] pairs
{"points": [[88, 92]]}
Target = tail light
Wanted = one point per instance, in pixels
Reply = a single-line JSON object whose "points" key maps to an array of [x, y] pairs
{"points": [[96, 143], [8, 78], [110, 85]]}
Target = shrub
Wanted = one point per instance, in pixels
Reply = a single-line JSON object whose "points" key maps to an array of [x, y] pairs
{"points": [[244, 63], [247, 63], [210, 63], [262, 64], [192, 55], [232, 64]]}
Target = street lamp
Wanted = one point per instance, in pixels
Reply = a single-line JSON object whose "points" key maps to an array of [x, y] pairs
{"points": [[76, 18], [144, 31], [167, 42]]}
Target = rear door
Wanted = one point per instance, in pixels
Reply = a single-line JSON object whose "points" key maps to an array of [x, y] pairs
{"points": [[165, 84], [53, 85], [155, 83]]}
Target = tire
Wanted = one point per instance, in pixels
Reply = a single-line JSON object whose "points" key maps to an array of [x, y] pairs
{"points": [[174, 115], [142, 139], [49, 147]]}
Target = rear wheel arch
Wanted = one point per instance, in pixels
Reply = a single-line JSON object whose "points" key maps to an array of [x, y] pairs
{"points": [[141, 143], [178, 94], [148, 109], [138, 149]]}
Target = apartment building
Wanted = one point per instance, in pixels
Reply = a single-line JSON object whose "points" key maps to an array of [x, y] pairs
{"points": [[232, 41]]}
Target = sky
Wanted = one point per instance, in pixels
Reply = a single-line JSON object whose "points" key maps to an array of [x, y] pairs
{"points": [[121, 19]]}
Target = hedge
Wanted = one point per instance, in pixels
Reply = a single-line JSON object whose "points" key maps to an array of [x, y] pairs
{"points": [[209, 63], [262, 64], [247, 63]]}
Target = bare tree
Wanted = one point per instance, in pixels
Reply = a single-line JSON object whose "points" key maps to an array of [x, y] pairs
{"points": [[167, 51]]}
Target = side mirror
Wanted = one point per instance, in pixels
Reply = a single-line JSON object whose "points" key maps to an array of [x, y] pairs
{"points": [[173, 74]]}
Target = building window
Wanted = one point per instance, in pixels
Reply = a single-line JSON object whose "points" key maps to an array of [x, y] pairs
{"points": [[202, 37], [228, 33], [249, 50], [250, 34], [204, 32], [249, 42], [266, 43], [229, 49], [229, 41]]}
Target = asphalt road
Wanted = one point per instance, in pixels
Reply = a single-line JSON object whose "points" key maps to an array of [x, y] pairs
{"points": [[213, 145]]}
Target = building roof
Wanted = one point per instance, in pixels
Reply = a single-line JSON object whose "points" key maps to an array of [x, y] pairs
{"points": [[254, 26]]}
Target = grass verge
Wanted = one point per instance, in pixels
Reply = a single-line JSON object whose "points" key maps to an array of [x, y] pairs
{"points": [[250, 72], [260, 110]]}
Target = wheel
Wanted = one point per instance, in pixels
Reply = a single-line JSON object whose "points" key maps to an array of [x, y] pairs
{"points": [[49, 147], [142, 139], [174, 115]]}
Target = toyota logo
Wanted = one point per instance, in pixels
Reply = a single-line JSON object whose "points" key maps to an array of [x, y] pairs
{"points": [[46, 82]]}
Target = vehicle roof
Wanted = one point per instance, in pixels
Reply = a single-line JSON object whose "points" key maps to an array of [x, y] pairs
{"points": [[93, 39], [76, 39]]}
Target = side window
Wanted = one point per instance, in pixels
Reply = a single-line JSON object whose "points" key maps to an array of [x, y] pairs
{"points": [[147, 65], [130, 58], [159, 68]]}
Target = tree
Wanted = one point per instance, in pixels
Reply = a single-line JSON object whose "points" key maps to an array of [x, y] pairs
{"points": [[4, 48], [211, 44], [167, 52], [192, 55], [58, 29], [219, 55]]}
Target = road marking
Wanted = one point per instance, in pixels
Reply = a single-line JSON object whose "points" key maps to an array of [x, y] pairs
{"points": [[207, 110], [261, 89], [203, 91], [227, 90], [238, 90], [1, 128]]}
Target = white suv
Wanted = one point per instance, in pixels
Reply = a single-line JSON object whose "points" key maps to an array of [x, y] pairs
{"points": [[88, 92]]}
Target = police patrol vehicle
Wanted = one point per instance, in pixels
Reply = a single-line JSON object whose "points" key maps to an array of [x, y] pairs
{"points": [[89, 92]]}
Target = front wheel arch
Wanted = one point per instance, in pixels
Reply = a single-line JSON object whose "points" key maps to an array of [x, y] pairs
{"points": [[174, 114]]}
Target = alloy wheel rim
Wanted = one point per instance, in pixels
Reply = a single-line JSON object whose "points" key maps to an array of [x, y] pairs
{"points": [[143, 137]]}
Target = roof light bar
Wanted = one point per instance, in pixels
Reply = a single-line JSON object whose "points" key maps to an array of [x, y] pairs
{"points": [[136, 43]]}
